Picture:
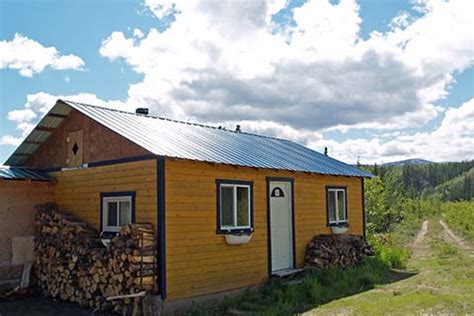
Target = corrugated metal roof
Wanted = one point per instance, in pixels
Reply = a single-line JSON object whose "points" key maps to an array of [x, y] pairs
{"points": [[12, 173], [170, 138]]}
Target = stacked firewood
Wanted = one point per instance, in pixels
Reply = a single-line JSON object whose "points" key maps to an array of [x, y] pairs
{"points": [[71, 262], [325, 251]]}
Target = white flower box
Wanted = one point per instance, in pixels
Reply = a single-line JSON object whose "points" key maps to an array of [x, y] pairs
{"points": [[339, 229], [237, 239]]}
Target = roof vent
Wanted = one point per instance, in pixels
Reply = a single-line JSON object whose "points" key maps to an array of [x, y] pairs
{"points": [[237, 129], [143, 111]]}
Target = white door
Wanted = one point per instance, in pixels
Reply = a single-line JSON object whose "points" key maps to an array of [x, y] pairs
{"points": [[281, 225]]}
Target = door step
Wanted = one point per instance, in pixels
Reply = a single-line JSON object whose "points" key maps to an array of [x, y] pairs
{"points": [[286, 273]]}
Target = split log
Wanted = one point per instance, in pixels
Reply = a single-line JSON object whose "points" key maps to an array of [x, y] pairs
{"points": [[325, 251], [72, 264]]}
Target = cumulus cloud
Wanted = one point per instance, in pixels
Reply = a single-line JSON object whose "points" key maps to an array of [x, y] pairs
{"points": [[38, 104], [30, 57], [10, 140], [452, 140], [228, 62]]}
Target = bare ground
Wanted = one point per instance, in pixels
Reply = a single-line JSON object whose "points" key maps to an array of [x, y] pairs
{"points": [[38, 305], [456, 240], [421, 234]]}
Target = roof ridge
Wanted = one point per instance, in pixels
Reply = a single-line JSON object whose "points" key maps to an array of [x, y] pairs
{"points": [[175, 120]]}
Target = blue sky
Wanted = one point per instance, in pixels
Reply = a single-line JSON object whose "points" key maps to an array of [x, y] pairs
{"points": [[368, 79]]}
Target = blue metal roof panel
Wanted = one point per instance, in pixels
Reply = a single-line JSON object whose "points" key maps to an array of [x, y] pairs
{"points": [[12, 173], [177, 139]]}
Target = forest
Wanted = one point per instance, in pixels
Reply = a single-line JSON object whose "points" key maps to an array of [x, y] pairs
{"points": [[412, 192]]}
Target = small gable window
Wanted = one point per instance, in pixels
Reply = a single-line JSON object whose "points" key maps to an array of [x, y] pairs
{"points": [[336, 203], [234, 206], [118, 209]]}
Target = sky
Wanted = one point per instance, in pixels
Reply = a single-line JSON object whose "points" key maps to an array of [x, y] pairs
{"points": [[373, 81]]}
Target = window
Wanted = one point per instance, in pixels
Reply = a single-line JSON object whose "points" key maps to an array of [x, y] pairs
{"points": [[234, 206], [336, 203], [117, 210]]}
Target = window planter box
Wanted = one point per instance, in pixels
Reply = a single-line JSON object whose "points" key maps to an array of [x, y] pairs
{"points": [[337, 230], [232, 239]]}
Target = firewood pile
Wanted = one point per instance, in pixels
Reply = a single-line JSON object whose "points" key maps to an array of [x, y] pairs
{"points": [[325, 251], [71, 262]]}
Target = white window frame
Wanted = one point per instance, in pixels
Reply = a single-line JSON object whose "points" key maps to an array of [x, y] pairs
{"points": [[105, 207], [234, 206], [336, 206]]}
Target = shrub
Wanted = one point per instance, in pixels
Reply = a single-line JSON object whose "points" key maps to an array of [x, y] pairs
{"points": [[395, 257], [460, 217]]}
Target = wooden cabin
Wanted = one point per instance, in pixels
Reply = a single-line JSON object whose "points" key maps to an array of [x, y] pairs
{"points": [[230, 208]]}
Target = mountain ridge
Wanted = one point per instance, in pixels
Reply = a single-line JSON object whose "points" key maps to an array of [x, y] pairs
{"points": [[413, 161]]}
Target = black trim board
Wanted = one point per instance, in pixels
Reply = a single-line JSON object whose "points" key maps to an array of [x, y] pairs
{"points": [[103, 163], [112, 194], [345, 206], [119, 160], [220, 231], [269, 228], [161, 225]]}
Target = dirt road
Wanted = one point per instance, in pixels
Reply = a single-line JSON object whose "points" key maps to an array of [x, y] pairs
{"points": [[443, 284]]}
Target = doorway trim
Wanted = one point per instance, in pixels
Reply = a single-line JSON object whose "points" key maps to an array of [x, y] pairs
{"points": [[269, 228]]}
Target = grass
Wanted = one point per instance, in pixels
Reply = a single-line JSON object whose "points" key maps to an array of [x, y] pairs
{"points": [[388, 252], [440, 280], [445, 285], [460, 217], [315, 288]]}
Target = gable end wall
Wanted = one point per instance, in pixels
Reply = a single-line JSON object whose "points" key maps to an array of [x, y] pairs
{"points": [[100, 143]]}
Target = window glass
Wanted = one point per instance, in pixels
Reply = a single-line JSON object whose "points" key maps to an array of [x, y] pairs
{"points": [[227, 201], [243, 206], [332, 206], [340, 206], [117, 211], [112, 214], [125, 213]]}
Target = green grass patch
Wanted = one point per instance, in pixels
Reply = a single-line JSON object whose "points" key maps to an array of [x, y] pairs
{"points": [[445, 250], [445, 285], [315, 288], [388, 252], [460, 217]]}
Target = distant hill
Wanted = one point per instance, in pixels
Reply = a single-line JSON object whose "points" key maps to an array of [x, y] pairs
{"points": [[450, 181], [458, 188], [415, 161]]}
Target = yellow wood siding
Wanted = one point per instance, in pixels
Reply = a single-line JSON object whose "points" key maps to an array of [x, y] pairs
{"points": [[200, 262], [78, 191]]}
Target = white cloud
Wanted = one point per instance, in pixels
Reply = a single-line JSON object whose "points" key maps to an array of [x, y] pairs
{"points": [[38, 104], [30, 57], [227, 62], [25, 115], [326, 31], [452, 140], [9, 140], [269, 128]]}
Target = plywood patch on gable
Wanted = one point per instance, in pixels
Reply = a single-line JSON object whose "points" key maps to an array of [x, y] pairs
{"points": [[75, 148]]}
